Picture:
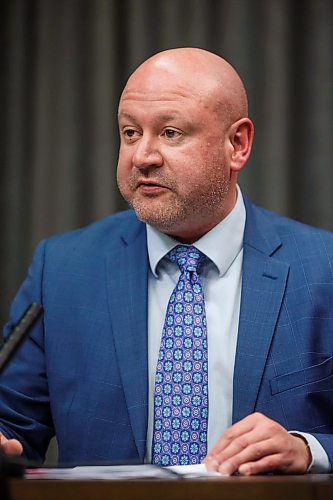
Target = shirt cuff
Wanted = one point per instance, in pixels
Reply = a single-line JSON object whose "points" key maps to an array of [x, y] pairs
{"points": [[320, 462]]}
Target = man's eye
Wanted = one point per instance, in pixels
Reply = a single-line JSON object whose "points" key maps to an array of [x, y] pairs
{"points": [[171, 134], [129, 133]]}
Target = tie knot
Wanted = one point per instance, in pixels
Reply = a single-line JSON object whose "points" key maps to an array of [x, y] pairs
{"points": [[188, 258]]}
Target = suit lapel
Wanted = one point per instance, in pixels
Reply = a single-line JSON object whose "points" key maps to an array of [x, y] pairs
{"points": [[263, 288], [127, 274]]}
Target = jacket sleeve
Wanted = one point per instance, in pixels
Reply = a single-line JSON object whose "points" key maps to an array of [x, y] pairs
{"points": [[24, 399]]}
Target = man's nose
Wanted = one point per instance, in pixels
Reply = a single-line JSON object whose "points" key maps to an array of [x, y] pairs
{"points": [[147, 153]]}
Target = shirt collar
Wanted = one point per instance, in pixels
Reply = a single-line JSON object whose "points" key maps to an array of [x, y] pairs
{"points": [[212, 244]]}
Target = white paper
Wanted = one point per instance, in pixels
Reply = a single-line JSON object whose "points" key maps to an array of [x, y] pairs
{"points": [[108, 472], [117, 472], [197, 470]]}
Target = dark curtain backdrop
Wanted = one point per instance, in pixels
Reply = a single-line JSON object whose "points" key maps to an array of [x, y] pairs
{"points": [[63, 63]]}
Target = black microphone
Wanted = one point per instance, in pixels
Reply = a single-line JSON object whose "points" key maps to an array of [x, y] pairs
{"points": [[18, 334]]}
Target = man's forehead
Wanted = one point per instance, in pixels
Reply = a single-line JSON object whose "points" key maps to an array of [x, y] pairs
{"points": [[133, 111], [164, 106], [166, 93]]}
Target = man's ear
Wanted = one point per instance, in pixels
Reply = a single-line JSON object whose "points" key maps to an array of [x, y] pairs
{"points": [[241, 139]]}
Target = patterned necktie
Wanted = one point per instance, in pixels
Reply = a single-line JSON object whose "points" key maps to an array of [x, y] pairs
{"points": [[181, 384]]}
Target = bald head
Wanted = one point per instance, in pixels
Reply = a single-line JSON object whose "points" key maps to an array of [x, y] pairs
{"points": [[206, 75]]}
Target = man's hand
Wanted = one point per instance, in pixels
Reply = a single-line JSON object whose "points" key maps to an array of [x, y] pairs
{"points": [[257, 445], [10, 446]]}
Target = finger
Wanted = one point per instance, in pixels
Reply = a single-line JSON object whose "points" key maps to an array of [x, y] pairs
{"points": [[239, 444], [10, 446], [212, 465], [251, 453], [270, 463]]}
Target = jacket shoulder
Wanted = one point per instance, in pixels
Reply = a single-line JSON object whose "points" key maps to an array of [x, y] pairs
{"points": [[94, 239], [109, 227], [285, 228]]}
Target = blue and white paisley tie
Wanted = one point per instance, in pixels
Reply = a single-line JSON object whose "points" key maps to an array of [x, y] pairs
{"points": [[181, 384]]}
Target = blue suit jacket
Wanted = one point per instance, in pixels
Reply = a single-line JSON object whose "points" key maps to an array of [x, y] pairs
{"points": [[83, 371]]}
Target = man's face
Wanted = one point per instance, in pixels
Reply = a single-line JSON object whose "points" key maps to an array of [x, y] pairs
{"points": [[173, 162]]}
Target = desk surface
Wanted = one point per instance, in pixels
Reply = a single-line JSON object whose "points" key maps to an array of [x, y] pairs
{"points": [[311, 487]]}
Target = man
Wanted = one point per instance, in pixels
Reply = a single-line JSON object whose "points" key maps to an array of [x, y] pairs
{"points": [[88, 372]]}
